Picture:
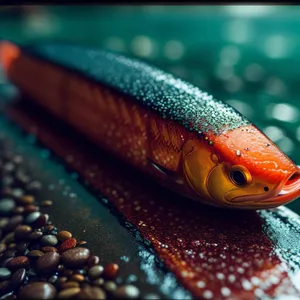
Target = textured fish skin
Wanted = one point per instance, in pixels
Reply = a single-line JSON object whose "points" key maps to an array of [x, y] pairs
{"points": [[153, 120], [122, 103]]}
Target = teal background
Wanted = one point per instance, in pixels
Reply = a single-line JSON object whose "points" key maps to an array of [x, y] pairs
{"points": [[247, 56]]}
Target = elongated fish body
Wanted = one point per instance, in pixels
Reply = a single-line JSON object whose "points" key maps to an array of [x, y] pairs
{"points": [[164, 126]]}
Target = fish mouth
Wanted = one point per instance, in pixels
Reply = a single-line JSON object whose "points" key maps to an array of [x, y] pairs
{"points": [[288, 192]]}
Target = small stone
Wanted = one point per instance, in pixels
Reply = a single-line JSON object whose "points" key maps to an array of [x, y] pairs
{"points": [[81, 242], [69, 284], [110, 271], [46, 203], [75, 257], [64, 235], [18, 210], [22, 232], [42, 220], [3, 222], [38, 290], [35, 235], [28, 209], [18, 278], [4, 274], [127, 292], [95, 272], [18, 262], [77, 277], [47, 263], [110, 286], [26, 199], [67, 245], [35, 254], [49, 240], [6, 206], [17, 193], [68, 293], [46, 249], [91, 292], [93, 260], [32, 217], [8, 167]]}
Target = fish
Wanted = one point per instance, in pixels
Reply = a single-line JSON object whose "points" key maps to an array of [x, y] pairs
{"points": [[163, 126]]}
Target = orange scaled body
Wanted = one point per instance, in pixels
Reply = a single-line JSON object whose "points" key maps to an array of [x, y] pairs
{"points": [[237, 168]]}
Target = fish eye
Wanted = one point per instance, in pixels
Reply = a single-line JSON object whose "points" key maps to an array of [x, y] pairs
{"points": [[238, 176]]}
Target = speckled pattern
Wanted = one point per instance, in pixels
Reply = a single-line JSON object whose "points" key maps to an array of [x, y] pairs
{"points": [[216, 255], [169, 96]]}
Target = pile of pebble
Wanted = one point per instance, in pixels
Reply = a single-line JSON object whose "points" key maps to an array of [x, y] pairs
{"points": [[37, 261]]}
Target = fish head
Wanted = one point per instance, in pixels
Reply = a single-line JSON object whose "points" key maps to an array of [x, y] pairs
{"points": [[248, 171]]}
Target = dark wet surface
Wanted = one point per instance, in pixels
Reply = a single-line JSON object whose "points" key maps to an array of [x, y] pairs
{"points": [[245, 252]]}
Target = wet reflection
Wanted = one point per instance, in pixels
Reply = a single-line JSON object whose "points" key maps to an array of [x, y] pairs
{"points": [[213, 252]]}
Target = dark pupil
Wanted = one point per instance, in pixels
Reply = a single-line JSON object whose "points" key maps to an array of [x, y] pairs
{"points": [[238, 177]]}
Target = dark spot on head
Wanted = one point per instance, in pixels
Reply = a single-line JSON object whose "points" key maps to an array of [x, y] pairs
{"points": [[268, 145], [247, 149], [266, 189]]}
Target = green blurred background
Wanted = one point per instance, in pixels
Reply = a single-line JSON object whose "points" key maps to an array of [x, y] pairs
{"points": [[244, 55]]}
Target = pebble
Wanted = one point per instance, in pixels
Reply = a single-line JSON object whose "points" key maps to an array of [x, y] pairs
{"points": [[93, 260], [38, 290], [18, 210], [17, 193], [30, 209], [47, 263], [67, 244], [6, 206], [35, 235], [77, 278], [64, 235], [4, 274], [22, 232], [49, 240], [46, 203], [34, 254], [110, 286], [26, 200], [127, 292], [75, 257], [90, 292], [18, 262], [9, 238], [18, 278], [110, 271], [49, 249], [32, 217], [3, 222], [95, 272], [69, 284], [68, 293]]}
